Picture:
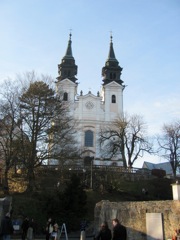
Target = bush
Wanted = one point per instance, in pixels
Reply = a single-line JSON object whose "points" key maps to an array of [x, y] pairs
{"points": [[67, 207], [160, 173]]}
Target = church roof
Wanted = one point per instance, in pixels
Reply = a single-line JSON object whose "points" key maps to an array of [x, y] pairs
{"points": [[111, 55], [111, 72], [164, 166], [68, 53], [67, 68]]}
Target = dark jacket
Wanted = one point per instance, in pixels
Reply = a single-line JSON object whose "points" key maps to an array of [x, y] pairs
{"points": [[104, 234], [119, 232], [6, 226]]}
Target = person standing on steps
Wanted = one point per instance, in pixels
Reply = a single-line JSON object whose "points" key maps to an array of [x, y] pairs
{"points": [[31, 230], [55, 235], [83, 226], [7, 227], [104, 233], [24, 228], [49, 228], [119, 231]]}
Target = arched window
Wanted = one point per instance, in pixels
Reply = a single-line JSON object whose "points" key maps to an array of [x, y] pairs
{"points": [[113, 100], [88, 138], [65, 96]]}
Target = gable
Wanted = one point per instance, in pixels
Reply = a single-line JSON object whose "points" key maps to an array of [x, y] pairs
{"points": [[164, 166], [67, 82], [113, 84]]}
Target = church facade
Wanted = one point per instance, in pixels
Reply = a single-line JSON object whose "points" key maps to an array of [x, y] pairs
{"points": [[92, 111]]}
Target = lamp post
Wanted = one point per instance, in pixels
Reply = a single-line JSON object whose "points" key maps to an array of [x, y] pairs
{"points": [[84, 172], [91, 176], [91, 182]]}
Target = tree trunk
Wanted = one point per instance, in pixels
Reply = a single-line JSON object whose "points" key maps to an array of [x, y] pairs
{"points": [[6, 184], [31, 180]]}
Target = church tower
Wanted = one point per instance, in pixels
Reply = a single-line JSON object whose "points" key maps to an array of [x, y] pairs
{"points": [[67, 71], [112, 87], [111, 71]]}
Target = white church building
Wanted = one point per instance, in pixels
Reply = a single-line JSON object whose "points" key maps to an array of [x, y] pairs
{"points": [[92, 111]]}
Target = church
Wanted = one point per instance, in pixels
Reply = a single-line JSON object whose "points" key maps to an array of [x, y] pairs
{"points": [[92, 111]]}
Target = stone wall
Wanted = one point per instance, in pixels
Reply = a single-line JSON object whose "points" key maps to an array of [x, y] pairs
{"points": [[133, 216]]}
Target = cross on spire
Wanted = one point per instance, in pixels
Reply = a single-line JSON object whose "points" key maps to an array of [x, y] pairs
{"points": [[111, 37], [70, 33]]}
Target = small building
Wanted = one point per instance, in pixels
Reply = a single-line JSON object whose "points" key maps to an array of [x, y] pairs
{"points": [[166, 166]]}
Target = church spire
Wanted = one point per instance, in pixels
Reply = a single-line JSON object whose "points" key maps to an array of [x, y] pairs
{"points": [[68, 53], [111, 71], [67, 68], [111, 50]]}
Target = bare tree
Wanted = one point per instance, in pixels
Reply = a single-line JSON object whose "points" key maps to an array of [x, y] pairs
{"points": [[126, 137], [169, 144], [10, 131]]}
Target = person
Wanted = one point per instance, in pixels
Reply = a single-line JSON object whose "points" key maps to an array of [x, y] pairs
{"points": [[175, 234], [119, 231], [49, 228], [55, 233], [24, 228], [83, 226], [6, 227], [104, 233], [30, 230]]}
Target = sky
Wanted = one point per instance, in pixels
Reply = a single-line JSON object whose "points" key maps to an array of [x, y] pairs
{"points": [[146, 39]]}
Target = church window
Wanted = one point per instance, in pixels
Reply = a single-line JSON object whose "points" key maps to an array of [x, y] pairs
{"points": [[88, 138], [65, 96], [114, 75], [110, 75], [113, 100]]}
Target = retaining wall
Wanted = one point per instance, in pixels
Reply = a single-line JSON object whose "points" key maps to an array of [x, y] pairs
{"points": [[133, 216]]}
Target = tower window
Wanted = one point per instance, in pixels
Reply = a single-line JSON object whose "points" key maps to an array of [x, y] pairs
{"points": [[113, 99], [65, 96], [89, 138]]}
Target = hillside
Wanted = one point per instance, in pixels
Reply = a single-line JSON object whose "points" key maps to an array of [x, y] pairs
{"points": [[157, 189]]}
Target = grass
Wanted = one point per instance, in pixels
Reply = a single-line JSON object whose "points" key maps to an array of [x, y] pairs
{"points": [[122, 190], [157, 189]]}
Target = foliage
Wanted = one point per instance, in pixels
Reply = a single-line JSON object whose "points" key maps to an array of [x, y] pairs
{"points": [[38, 129], [75, 197], [64, 207], [160, 173], [68, 206], [55, 203]]}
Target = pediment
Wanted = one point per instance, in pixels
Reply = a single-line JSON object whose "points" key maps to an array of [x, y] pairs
{"points": [[66, 82], [113, 84]]}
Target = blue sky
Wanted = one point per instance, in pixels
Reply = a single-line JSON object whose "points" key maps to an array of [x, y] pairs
{"points": [[146, 38]]}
